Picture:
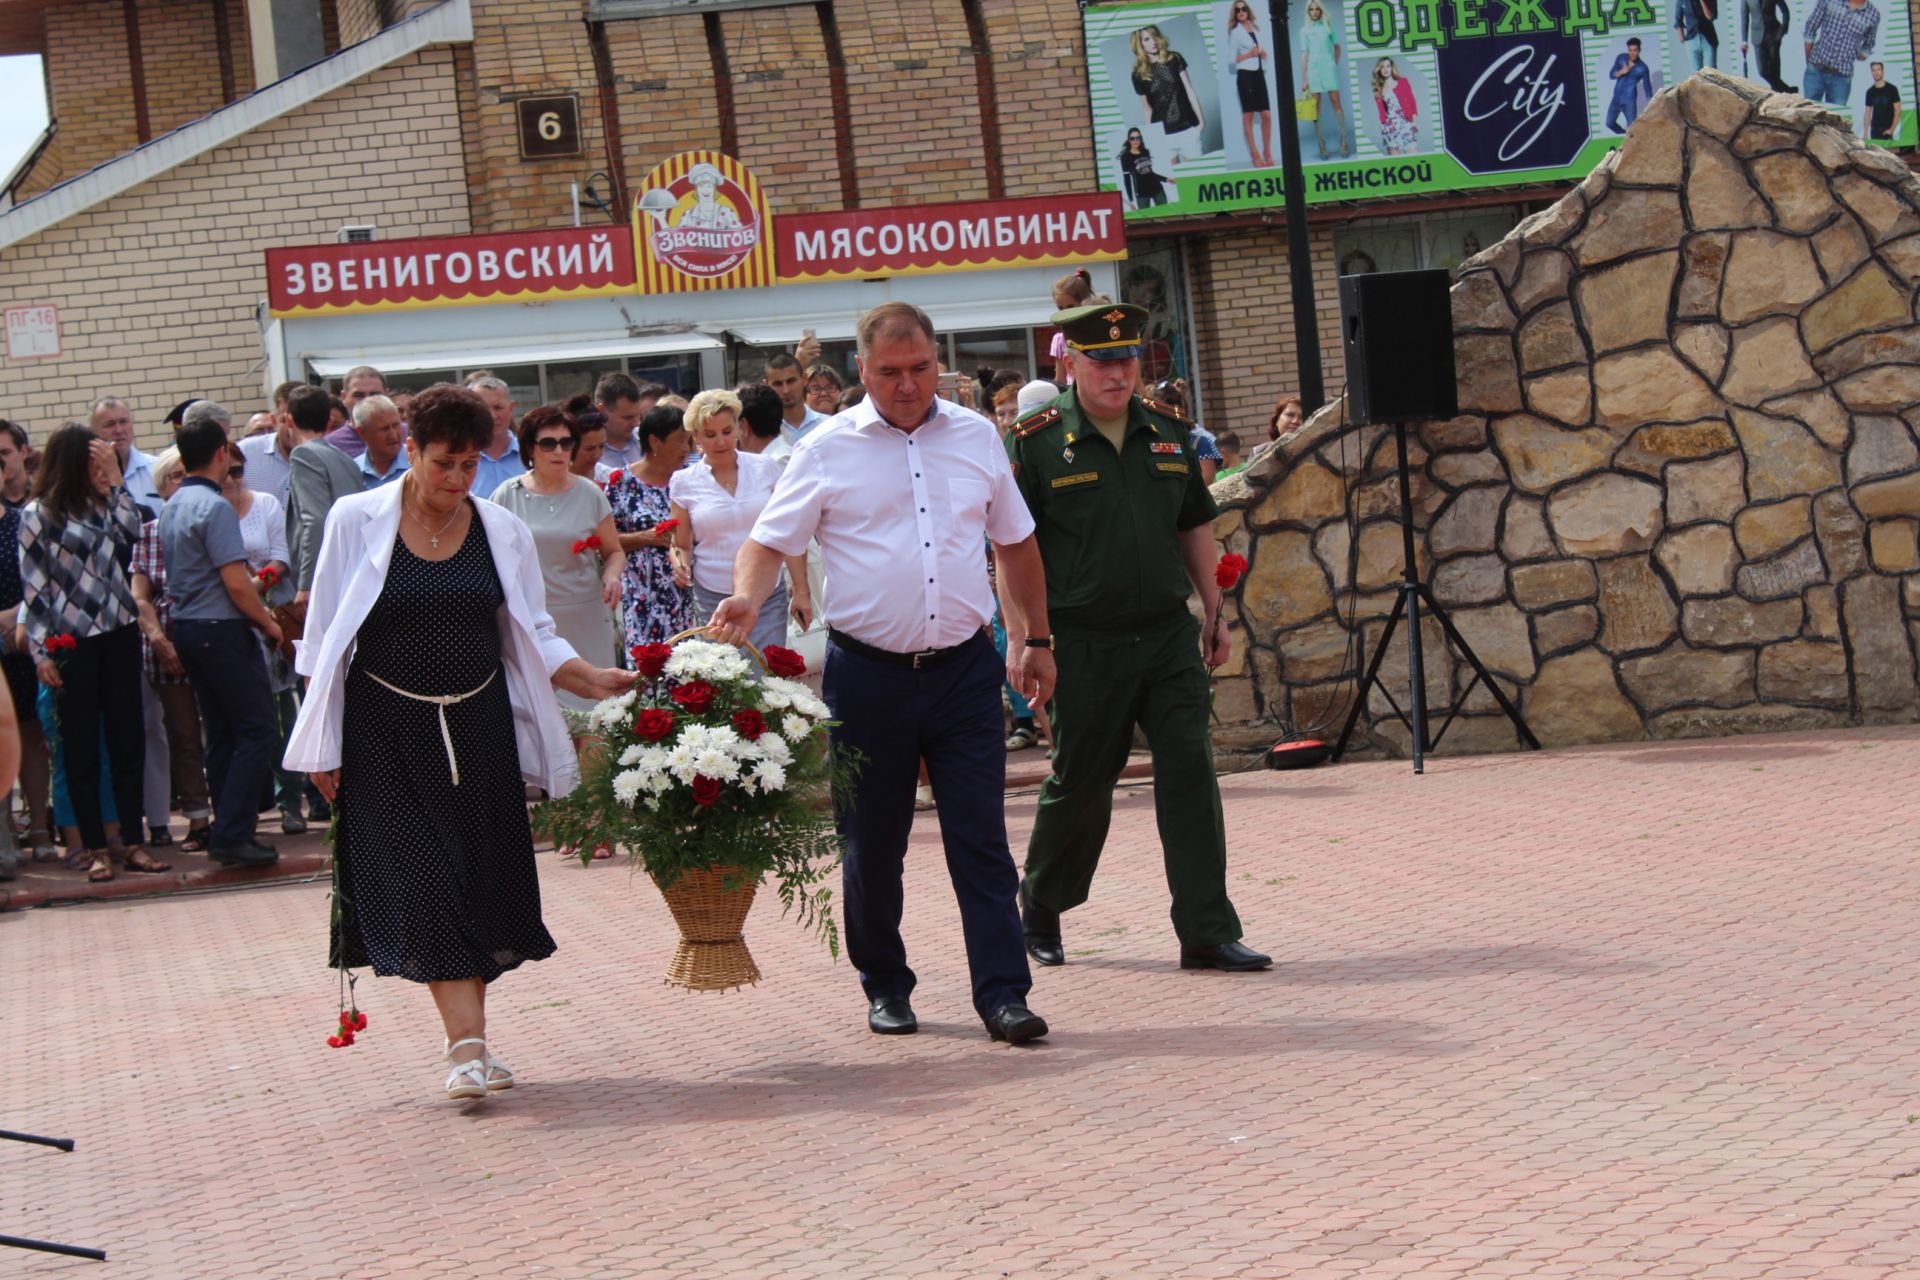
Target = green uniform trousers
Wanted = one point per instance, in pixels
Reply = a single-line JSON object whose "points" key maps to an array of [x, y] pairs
{"points": [[1109, 682]]}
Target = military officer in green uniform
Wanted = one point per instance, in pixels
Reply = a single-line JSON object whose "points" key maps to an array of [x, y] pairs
{"points": [[1125, 527]]}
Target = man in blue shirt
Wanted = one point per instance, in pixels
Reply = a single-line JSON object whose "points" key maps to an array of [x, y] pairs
{"points": [[377, 422], [215, 611], [1630, 80], [500, 460]]}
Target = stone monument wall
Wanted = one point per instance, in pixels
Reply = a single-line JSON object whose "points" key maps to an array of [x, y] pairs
{"points": [[1683, 494]]}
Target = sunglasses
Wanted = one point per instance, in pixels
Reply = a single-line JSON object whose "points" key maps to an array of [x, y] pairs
{"points": [[550, 443]]}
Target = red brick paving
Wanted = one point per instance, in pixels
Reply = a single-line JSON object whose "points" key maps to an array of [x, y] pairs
{"points": [[1628, 1011]]}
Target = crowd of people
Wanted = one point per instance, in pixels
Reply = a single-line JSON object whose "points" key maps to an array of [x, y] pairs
{"points": [[321, 616]]}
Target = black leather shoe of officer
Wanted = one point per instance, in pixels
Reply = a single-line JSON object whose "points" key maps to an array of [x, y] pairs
{"points": [[1016, 1024], [1042, 929], [891, 1016], [1233, 957]]}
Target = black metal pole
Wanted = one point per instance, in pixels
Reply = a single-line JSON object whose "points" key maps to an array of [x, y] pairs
{"points": [[64, 1144], [1410, 583], [1306, 328], [48, 1246]]}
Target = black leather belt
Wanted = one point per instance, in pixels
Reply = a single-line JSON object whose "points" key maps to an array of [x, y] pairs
{"points": [[916, 661]]}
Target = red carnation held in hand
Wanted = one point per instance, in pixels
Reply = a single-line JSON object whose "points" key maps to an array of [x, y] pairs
{"points": [[665, 527], [705, 790], [650, 659], [695, 695], [1228, 571], [654, 723], [749, 724], [784, 662]]}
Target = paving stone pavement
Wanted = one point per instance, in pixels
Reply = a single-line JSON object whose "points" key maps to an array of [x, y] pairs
{"points": [[1628, 1011]]}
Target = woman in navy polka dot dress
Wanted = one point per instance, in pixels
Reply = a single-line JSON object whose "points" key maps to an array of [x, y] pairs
{"points": [[433, 663]]}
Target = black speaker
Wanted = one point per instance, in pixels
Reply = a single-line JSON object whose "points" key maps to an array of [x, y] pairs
{"points": [[1396, 328]]}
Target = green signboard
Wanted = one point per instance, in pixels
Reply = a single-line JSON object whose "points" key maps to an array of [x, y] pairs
{"points": [[1403, 97]]}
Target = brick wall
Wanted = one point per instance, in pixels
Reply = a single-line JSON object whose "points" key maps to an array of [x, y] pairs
{"points": [[915, 101], [663, 76], [181, 58], [1039, 70], [157, 292], [782, 98], [90, 94], [1243, 324], [523, 48], [357, 20]]}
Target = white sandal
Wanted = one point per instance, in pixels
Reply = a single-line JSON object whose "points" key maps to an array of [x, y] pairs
{"points": [[468, 1079], [499, 1075]]}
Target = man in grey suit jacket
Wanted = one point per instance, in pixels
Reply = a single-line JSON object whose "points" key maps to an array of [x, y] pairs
{"points": [[321, 475]]}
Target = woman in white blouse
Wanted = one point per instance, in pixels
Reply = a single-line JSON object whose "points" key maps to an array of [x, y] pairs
{"points": [[716, 500]]}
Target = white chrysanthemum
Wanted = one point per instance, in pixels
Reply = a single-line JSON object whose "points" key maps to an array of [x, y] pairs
{"points": [[704, 660], [626, 787], [679, 762], [772, 777], [660, 783], [717, 764], [795, 727], [632, 755], [652, 803], [774, 747], [652, 761], [780, 693], [701, 737]]}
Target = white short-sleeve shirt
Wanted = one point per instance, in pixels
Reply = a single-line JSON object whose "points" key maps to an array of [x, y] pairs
{"points": [[721, 521], [903, 519]]}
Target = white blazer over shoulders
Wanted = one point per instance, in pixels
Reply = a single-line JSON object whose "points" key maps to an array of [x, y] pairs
{"points": [[354, 554]]}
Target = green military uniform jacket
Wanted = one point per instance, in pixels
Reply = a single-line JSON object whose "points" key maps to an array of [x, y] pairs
{"points": [[1107, 522]]}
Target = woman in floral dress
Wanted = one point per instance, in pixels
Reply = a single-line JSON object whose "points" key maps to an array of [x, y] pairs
{"points": [[652, 608]]}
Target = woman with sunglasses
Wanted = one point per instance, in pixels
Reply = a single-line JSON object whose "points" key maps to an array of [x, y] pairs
{"points": [[574, 534], [263, 528], [1250, 81]]}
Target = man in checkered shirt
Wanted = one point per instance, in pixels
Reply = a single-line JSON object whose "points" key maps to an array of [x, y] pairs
{"points": [[1838, 34]]}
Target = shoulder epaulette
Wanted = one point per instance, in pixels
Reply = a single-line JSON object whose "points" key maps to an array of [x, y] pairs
{"points": [[1025, 427], [1165, 409]]}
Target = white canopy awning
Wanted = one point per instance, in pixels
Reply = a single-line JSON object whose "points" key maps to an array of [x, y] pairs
{"points": [[955, 317], [412, 360]]}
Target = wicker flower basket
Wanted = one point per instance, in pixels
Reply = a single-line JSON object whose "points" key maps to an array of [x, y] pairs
{"points": [[712, 955]]}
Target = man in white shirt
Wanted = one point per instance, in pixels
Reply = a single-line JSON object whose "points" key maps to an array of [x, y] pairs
{"points": [[378, 424], [112, 421], [902, 492], [789, 381], [500, 460], [760, 422], [625, 402]]}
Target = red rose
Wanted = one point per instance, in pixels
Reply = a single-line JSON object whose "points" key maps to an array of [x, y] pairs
{"points": [[749, 724], [695, 695], [650, 659], [654, 723], [784, 662], [705, 790]]}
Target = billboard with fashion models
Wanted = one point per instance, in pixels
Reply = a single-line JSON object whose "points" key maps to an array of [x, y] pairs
{"points": [[1402, 97]]}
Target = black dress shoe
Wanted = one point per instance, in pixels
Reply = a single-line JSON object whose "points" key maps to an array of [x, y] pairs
{"points": [[1016, 1024], [891, 1016], [1230, 956], [1042, 930], [251, 854]]}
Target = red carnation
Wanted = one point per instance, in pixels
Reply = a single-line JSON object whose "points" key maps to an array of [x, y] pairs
{"points": [[1228, 571], [665, 527], [705, 790], [579, 546], [359, 1022], [749, 724], [784, 662], [654, 723], [335, 1042], [695, 695], [650, 659], [587, 544], [613, 477]]}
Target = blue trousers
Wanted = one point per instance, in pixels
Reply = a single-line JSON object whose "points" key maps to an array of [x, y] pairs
{"points": [[948, 715], [229, 678]]}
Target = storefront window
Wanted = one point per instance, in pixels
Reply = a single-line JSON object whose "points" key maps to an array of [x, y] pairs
{"points": [[1440, 240], [1153, 277], [995, 349], [749, 363], [570, 378]]}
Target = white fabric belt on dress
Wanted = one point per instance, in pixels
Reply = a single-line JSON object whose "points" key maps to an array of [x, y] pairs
{"points": [[442, 701]]}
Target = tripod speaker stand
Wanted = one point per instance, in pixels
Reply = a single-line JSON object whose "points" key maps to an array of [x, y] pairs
{"points": [[1397, 330]]}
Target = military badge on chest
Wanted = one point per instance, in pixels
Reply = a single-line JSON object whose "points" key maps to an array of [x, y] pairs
{"points": [[1164, 446]]}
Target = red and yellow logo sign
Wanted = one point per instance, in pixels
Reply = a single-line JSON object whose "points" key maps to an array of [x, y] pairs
{"points": [[700, 221]]}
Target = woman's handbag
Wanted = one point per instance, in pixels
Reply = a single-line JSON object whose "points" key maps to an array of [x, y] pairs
{"points": [[1308, 108], [292, 620]]}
